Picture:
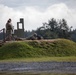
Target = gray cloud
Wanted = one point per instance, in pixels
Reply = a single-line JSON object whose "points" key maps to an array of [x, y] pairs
{"points": [[35, 12], [34, 17], [41, 3]]}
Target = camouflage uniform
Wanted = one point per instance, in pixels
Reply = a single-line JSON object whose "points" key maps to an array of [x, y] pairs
{"points": [[9, 30]]}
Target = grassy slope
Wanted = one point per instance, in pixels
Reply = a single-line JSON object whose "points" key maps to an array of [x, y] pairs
{"points": [[58, 48]]}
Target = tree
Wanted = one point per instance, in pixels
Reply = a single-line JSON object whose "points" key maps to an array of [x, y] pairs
{"points": [[64, 29], [52, 24], [54, 29], [73, 35]]}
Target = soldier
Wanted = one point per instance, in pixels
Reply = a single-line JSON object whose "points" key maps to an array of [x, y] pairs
{"points": [[9, 30]]}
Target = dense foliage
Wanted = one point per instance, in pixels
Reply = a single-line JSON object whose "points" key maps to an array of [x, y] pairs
{"points": [[55, 29], [73, 35]]}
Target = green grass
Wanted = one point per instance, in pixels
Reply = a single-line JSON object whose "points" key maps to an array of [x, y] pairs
{"points": [[38, 49], [42, 59]]}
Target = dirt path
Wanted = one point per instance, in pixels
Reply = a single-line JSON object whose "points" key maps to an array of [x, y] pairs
{"points": [[53, 67]]}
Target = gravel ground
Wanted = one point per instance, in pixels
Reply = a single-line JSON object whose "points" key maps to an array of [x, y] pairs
{"points": [[53, 67]]}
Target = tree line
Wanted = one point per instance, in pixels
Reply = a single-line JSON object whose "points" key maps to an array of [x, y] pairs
{"points": [[54, 29]]}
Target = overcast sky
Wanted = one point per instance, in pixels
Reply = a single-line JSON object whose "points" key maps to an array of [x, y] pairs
{"points": [[36, 12]]}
